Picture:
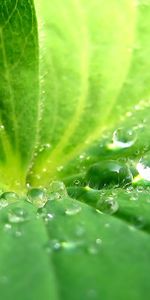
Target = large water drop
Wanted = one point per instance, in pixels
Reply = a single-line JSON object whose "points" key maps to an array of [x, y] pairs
{"points": [[37, 197], [124, 138], [108, 173]]}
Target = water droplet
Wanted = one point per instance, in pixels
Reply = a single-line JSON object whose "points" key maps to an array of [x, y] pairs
{"points": [[109, 205], [124, 138], [9, 196], [57, 190], [95, 246], [18, 233], [17, 215], [37, 197], [7, 226], [44, 147], [67, 245], [77, 182], [48, 217], [60, 168], [73, 210], [56, 245], [108, 173], [143, 167]]}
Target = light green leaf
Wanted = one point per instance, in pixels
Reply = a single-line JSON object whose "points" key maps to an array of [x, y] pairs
{"points": [[18, 89], [83, 43], [130, 112]]}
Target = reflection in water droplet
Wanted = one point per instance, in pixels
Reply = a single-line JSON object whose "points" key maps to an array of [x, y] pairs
{"points": [[37, 197], [124, 138], [143, 167], [73, 210]]}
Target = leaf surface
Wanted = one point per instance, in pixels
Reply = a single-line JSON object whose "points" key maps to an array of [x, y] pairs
{"points": [[26, 272], [82, 41], [18, 89]]}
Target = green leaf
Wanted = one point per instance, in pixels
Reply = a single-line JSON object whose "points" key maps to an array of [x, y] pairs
{"points": [[82, 40], [18, 89], [131, 205], [130, 112], [96, 255], [26, 271]]}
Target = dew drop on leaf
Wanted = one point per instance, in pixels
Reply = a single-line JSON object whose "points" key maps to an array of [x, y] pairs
{"points": [[94, 247], [37, 197], [124, 138], [9, 196], [109, 205], [108, 173], [77, 182], [73, 210], [56, 190], [17, 215]]}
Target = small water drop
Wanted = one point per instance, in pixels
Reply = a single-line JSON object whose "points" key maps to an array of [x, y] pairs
{"points": [[18, 233], [44, 147], [60, 168], [107, 225], [56, 245], [7, 226], [124, 138], [17, 215], [109, 205], [73, 210], [48, 217], [77, 182], [37, 197], [9, 196], [95, 246], [57, 190]]}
